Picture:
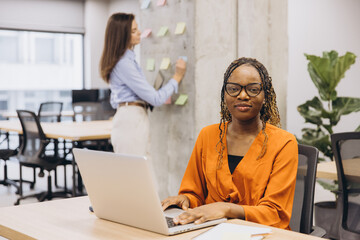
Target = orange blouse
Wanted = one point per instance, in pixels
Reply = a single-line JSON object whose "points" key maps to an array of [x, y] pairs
{"points": [[263, 187]]}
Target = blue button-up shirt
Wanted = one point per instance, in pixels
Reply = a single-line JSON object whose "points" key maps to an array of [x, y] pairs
{"points": [[128, 84]]}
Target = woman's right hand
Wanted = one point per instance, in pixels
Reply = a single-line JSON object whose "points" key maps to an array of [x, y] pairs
{"points": [[180, 201], [180, 69]]}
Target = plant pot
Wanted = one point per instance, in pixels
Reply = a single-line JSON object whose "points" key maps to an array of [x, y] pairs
{"points": [[326, 217]]}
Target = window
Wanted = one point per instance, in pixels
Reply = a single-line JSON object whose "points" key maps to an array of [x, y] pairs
{"points": [[39, 66], [40, 60]]}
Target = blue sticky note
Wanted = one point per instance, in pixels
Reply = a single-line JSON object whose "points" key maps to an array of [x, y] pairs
{"points": [[184, 58], [145, 4]]}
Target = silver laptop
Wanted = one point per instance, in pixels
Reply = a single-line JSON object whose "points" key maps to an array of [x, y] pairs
{"points": [[122, 189]]}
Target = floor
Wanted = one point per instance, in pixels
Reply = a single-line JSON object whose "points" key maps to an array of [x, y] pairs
{"points": [[7, 193]]}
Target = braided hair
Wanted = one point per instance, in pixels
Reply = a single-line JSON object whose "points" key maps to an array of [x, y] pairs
{"points": [[268, 113]]}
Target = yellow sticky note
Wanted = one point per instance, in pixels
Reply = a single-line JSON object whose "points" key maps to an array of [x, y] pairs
{"points": [[162, 32], [150, 64], [236, 235], [165, 63], [181, 99], [180, 28]]}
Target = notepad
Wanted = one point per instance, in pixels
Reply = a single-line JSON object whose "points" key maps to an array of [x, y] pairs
{"points": [[225, 230], [162, 32], [145, 4], [165, 63], [181, 99], [146, 33], [161, 2], [150, 64], [180, 28]]}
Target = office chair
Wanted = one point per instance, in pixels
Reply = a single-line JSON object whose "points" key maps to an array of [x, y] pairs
{"points": [[50, 111], [302, 213], [346, 149], [32, 154], [5, 155]]}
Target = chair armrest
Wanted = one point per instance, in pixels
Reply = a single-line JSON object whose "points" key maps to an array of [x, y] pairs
{"points": [[318, 231]]}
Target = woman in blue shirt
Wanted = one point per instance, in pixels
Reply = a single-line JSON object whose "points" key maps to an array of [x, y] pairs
{"points": [[131, 94]]}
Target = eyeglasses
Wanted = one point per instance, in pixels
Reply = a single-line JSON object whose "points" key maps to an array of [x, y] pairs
{"points": [[234, 89]]}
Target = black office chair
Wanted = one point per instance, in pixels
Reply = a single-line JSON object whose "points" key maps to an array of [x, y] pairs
{"points": [[302, 213], [50, 111], [346, 149], [5, 155], [32, 154]]}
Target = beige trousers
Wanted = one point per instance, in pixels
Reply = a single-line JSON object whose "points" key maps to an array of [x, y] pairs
{"points": [[130, 133]]}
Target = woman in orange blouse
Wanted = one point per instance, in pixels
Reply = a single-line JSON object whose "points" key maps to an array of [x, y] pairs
{"points": [[245, 167]]}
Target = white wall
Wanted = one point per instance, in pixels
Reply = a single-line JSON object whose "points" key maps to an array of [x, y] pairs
{"points": [[314, 27]]}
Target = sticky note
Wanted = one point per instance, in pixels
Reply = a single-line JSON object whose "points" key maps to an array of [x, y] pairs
{"points": [[163, 30], [168, 101], [145, 4], [180, 28], [161, 2], [236, 235], [184, 58], [181, 99], [150, 64], [146, 33], [165, 63]]}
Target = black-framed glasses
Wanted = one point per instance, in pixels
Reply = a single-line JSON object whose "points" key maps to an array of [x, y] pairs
{"points": [[234, 89]]}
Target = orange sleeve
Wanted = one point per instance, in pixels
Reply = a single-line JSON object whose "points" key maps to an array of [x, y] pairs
{"points": [[274, 208]]}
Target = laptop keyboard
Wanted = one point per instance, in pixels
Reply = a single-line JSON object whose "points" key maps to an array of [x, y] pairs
{"points": [[170, 222]]}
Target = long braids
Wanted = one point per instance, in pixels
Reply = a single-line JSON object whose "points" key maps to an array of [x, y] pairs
{"points": [[268, 113]]}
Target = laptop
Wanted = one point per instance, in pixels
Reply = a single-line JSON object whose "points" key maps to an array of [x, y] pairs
{"points": [[122, 189]]}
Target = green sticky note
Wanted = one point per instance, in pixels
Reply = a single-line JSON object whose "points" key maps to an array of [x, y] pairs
{"points": [[181, 99], [163, 30], [165, 63], [150, 64], [180, 28]]}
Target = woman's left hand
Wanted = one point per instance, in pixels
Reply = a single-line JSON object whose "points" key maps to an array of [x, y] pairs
{"points": [[204, 213]]}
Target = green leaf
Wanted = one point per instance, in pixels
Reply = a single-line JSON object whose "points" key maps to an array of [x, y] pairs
{"points": [[333, 187], [357, 129], [327, 71], [311, 111]]}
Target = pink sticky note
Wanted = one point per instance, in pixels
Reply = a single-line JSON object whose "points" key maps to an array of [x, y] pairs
{"points": [[161, 2], [146, 33], [168, 101]]}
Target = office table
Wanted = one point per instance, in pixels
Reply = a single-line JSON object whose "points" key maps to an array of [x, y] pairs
{"points": [[73, 131], [327, 170], [71, 219]]}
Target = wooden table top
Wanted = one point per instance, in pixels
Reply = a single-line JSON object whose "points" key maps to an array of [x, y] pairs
{"points": [[327, 170], [71, 219], [74, 131]]}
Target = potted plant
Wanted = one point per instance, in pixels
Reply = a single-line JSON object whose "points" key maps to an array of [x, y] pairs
{"points": [[324, 112]]}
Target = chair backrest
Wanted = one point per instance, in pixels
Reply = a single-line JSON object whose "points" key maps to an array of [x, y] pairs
{"points": [[85, 95], [34, 140], [346, 149], [50, 111], [302, 213]]}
